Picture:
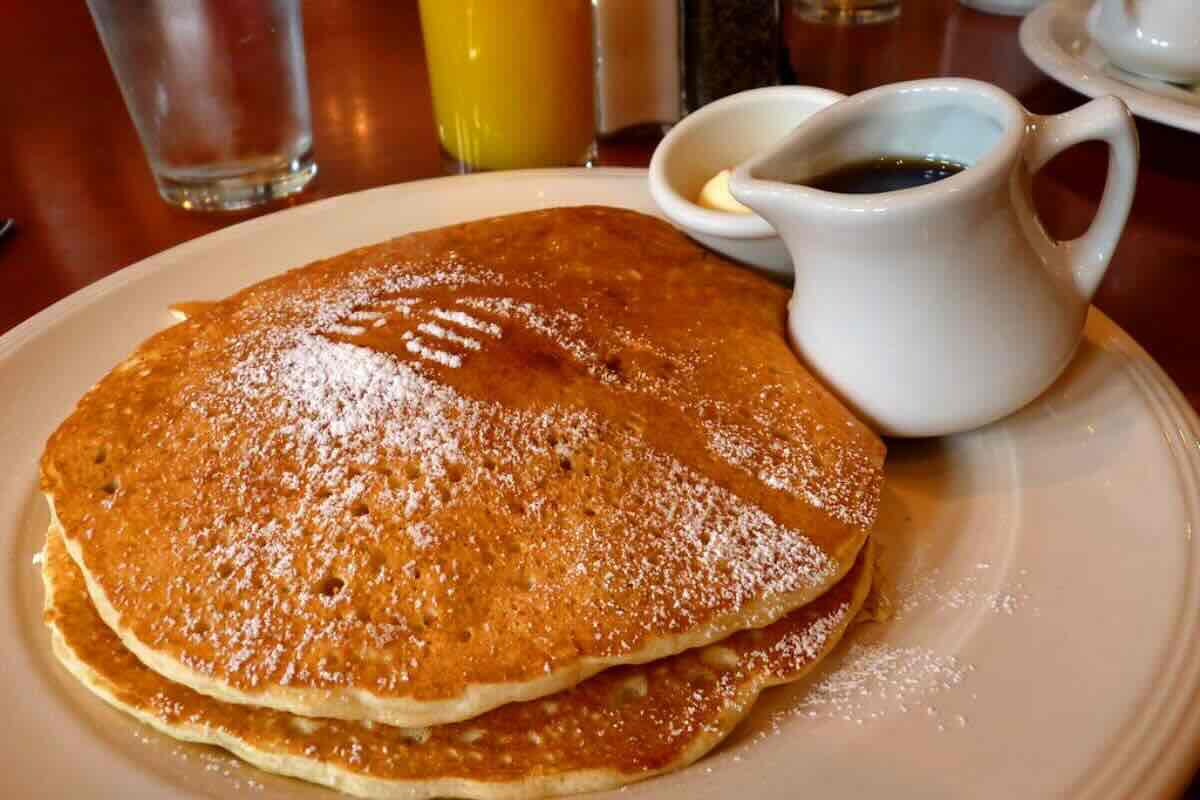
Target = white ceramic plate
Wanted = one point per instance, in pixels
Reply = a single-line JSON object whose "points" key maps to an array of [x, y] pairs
{"points": [[1045, 569], [1055, 38]]}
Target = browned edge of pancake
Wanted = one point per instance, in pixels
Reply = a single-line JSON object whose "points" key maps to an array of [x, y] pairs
{"points": [[326, 752]]}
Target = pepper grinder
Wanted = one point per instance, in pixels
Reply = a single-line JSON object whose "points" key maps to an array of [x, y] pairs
{"points": [[729, 46]]}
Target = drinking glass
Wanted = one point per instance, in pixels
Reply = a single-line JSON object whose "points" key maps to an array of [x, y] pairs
{"points": [[218, 93], [847, 12], [512, 81]]}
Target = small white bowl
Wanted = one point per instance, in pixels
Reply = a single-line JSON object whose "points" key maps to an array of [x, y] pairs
{"points": [[720, 136]]}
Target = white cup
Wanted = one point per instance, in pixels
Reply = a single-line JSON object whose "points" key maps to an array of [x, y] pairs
{"points": [[720, 136], [1156, 38]]}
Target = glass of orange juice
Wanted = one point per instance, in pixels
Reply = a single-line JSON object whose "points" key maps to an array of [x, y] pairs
{"points": [[512, 81]]}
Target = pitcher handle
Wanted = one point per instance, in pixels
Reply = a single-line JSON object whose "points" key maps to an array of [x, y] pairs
{"points": [[1106, 119]]}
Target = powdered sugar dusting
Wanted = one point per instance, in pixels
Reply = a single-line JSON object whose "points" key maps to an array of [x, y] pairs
{"points": [[422, 534], [330, 404], [876, 679], [928, 589], [437, 331], [469, 322], [351, 498], [418, 346], [799, 646], [786, 463], [782, 467], [560, 326], [345, 330]]}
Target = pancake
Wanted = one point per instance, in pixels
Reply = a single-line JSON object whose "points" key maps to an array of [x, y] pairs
{"points": [[624, 725], [462, 468]]}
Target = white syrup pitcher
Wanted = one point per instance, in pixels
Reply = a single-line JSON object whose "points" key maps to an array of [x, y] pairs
{"points": [[940, 308]]}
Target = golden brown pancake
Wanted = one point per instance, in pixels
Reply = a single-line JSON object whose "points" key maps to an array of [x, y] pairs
{"points": [[621, 726], [461, 468]]}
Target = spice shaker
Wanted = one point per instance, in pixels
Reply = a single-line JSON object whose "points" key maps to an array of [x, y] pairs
{"points": [[729, 46]]}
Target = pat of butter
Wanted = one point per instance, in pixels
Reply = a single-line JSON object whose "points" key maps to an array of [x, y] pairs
{"points": [[188, 308], [715, 195]]}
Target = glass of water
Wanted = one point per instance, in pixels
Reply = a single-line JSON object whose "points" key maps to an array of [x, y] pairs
{"points": [[218, 93]]}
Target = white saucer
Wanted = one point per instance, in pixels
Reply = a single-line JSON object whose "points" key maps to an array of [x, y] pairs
{"points": [[1046, 569], [1055, 38]]}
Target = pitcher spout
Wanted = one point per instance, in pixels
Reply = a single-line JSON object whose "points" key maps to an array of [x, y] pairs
{"points": [[959, 121], [777, 202]]}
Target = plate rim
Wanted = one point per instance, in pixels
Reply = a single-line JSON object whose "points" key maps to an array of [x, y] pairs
{"points": [[1039, 45], [1164, 770], [1134, 769]]}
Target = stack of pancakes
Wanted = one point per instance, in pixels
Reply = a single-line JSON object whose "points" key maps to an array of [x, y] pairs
{"points": [[531, 505]]}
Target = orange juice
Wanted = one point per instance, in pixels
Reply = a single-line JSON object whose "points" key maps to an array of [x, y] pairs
{"points": [[512, 80]]}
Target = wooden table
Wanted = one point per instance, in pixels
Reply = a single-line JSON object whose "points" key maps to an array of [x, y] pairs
{"points": [[74, 177]]}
